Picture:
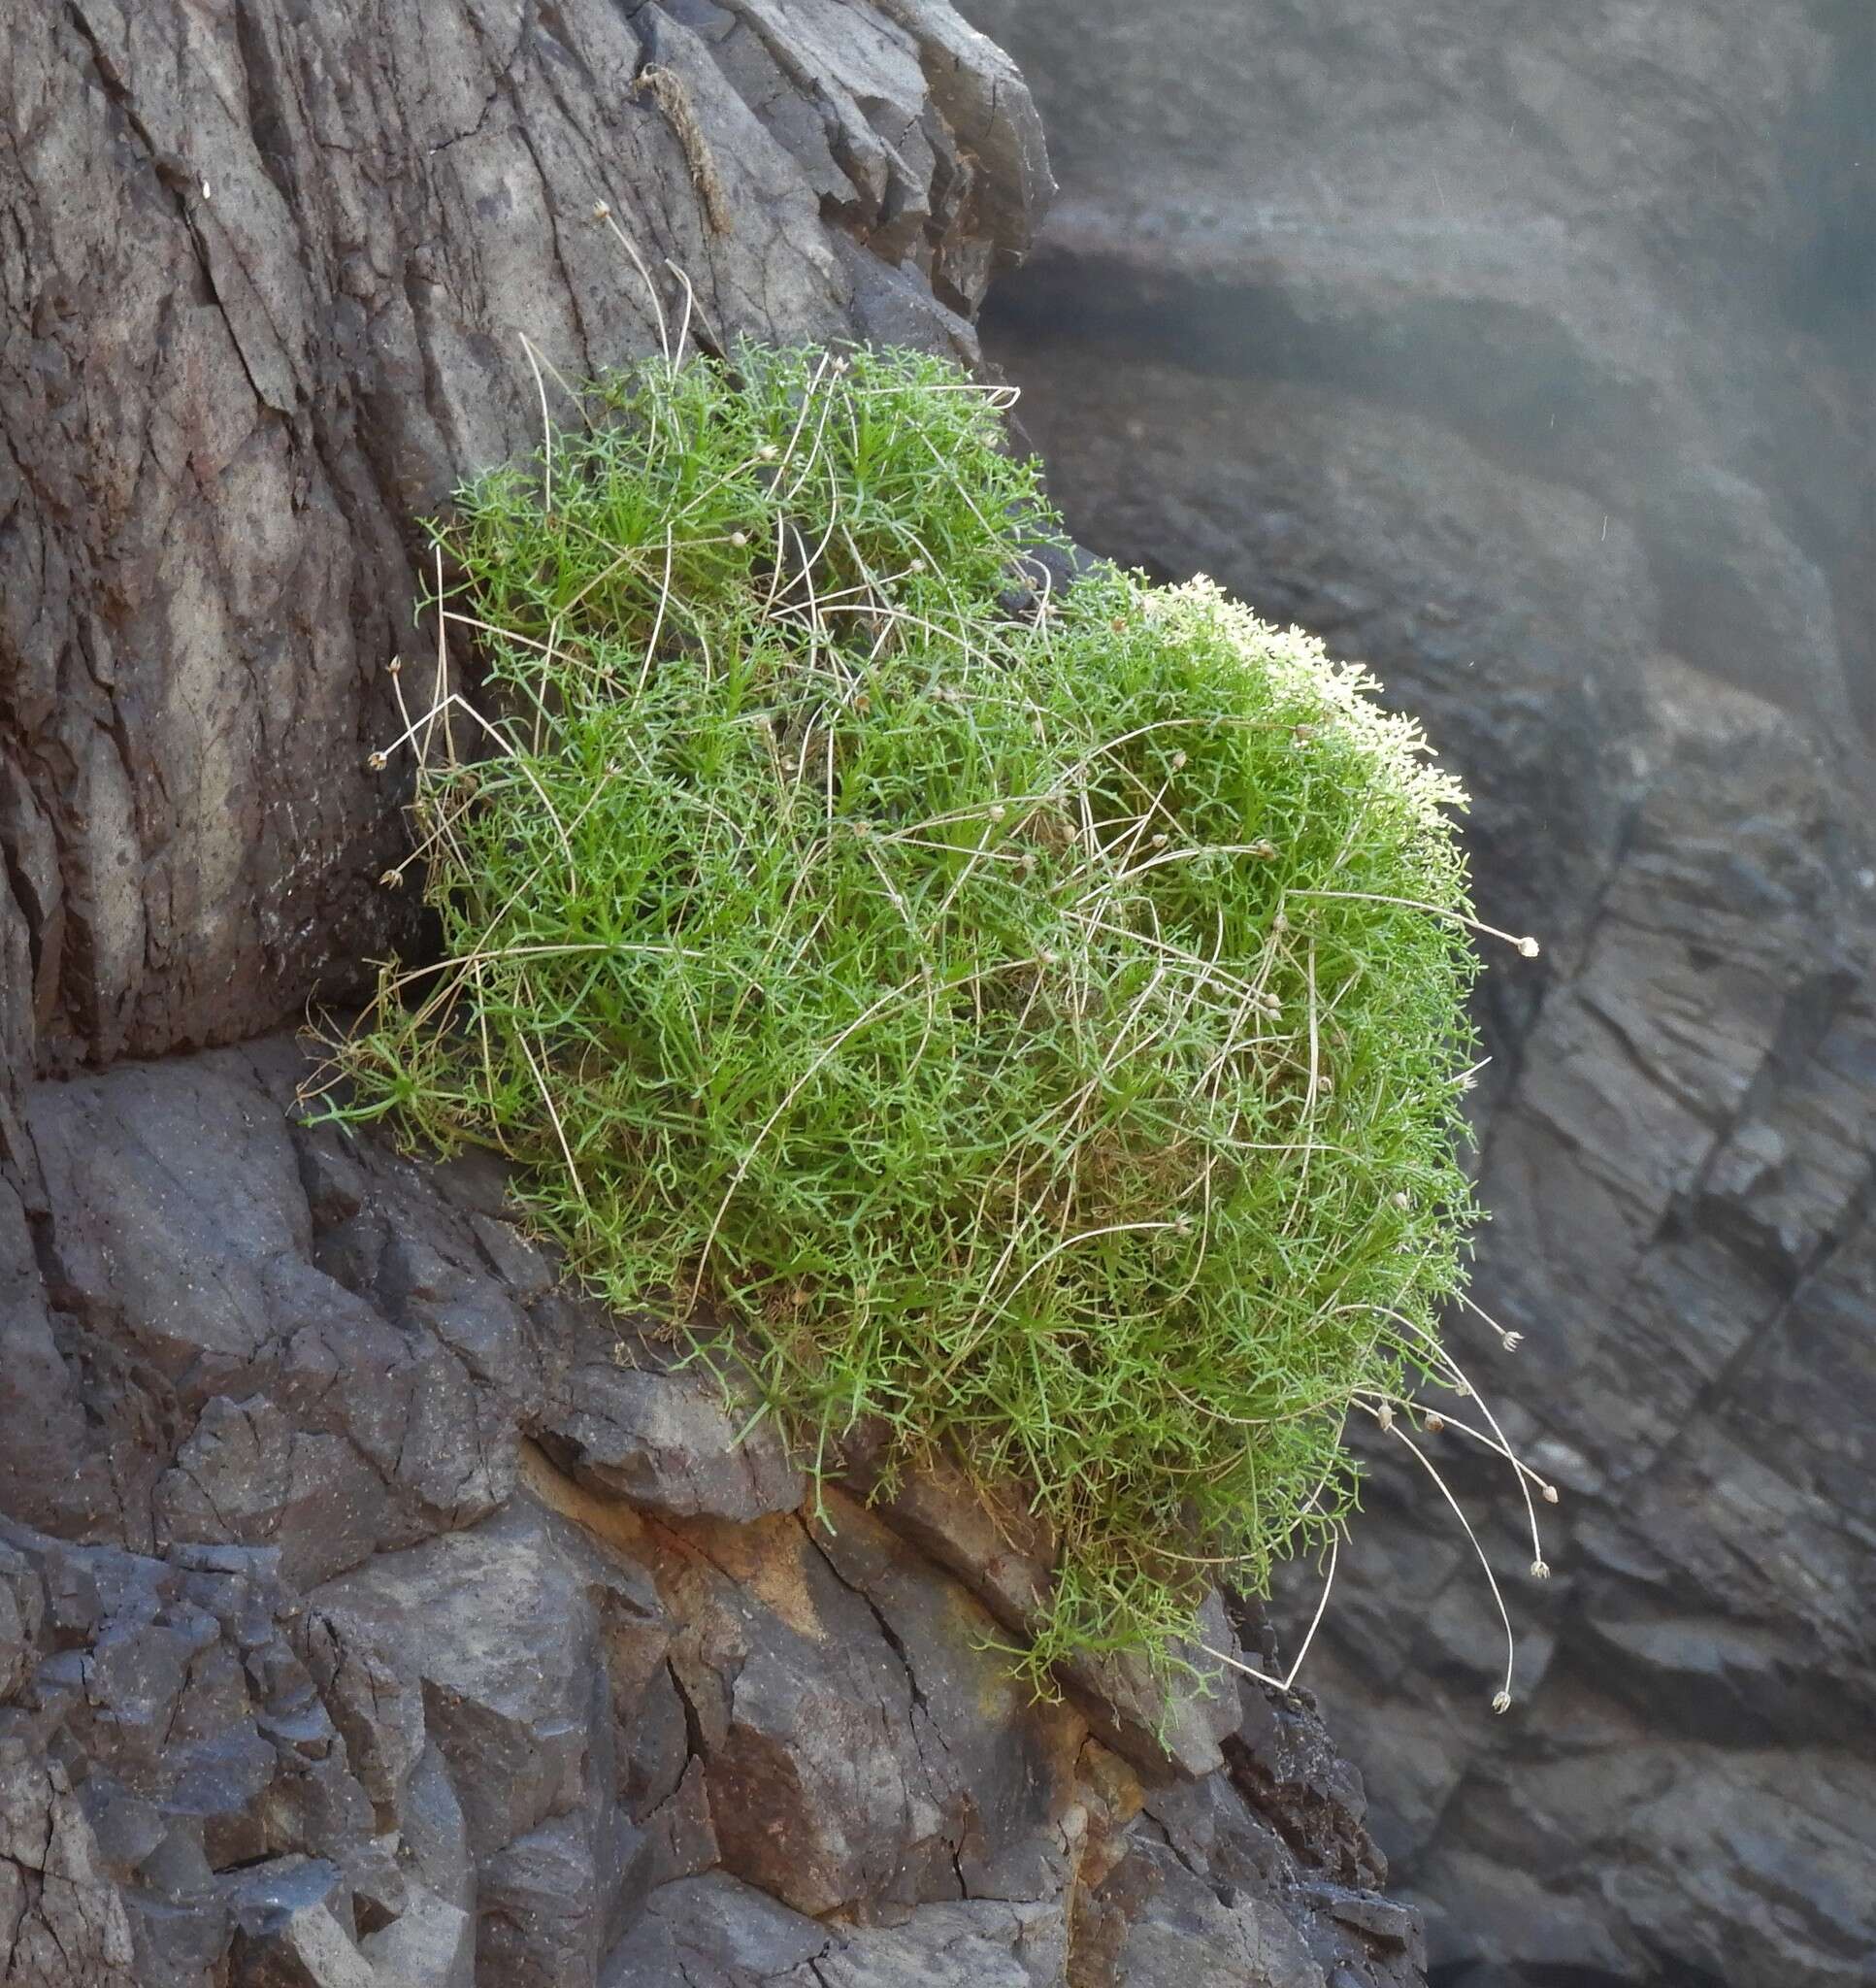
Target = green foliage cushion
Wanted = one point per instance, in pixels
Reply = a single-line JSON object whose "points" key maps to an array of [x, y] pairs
{"points": [[1032, 1024]]}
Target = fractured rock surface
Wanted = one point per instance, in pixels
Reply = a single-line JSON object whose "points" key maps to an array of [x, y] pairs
{"points": [[1526, 354], [264, 288], [375, 1612], [316, 1666]]}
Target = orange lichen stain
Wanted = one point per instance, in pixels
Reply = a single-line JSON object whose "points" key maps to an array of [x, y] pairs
{"points": [[606, 1519], [769, 1557]]}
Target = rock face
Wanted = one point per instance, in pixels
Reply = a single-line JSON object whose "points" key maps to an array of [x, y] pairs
{"points": [[1526, 356], [263, 299], [373, 1612]]}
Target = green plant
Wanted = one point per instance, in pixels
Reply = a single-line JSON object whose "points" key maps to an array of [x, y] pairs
{"points": [[1036, 1026]]}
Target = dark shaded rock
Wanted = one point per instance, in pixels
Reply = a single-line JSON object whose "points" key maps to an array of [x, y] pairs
{"points": [[514, 1746], [1504, 354], [168, 1734], [717, 1932]]}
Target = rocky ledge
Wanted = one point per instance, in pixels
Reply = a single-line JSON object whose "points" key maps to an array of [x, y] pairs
{"points": [[376, 1613]]}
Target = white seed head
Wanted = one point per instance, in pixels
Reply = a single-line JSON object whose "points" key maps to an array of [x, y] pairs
{"points": [[377, 762], [739, 538], [601, 212], [1550, 1494], [998, 811], [1178, 761], [1540, 1570], [1502, 1703], [1530, 947], [1513, 1340], [1048, 959], [1435, 1424], [1279, 923], [767, 452], [1384, 1414], [915, 566], [388, 879], [392, 667], [1403, 1199], [1158, 842]]}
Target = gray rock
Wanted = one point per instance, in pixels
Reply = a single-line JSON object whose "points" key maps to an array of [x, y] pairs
{"points": [[1436, 340], [670, 1443], [431, 1944], [212, 555], [1154, 1923], [971, 1944], [715, 1932], [363, 1622], [523, 1721], [1004, 1555], [513, 1743]]}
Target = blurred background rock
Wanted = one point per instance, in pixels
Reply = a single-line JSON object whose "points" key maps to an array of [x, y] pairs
{"points": [[1528, 355]]}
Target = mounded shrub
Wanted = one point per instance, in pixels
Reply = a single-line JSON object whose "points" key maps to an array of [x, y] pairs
{"points": [[1028, 1020]]}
